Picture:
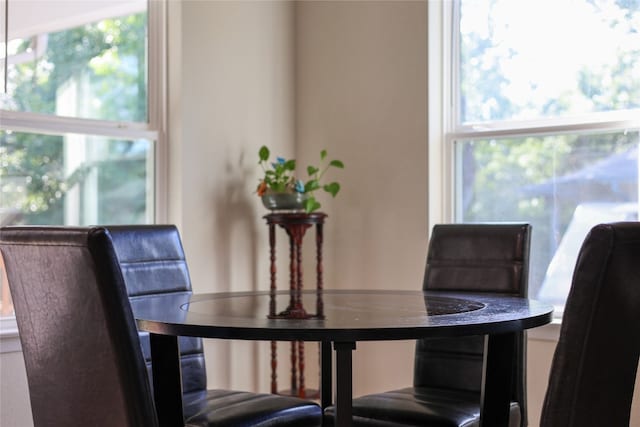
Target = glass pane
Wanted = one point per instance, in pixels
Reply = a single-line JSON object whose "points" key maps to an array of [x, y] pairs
{"points": [[78, 59], [561, 184], [531, 59], [75, 180]]}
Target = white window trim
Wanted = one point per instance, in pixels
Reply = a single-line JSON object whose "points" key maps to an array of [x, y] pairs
{"points": [[9, 338], [45, 123], [597, 122], [550, 332], [155, 129], [439, 114], [442, 108]]}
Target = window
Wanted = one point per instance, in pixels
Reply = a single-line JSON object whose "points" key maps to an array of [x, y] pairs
{"points": [[540, 122], [81, 130]]}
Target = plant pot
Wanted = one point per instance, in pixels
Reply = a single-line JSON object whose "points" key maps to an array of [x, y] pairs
{"points": [[284, 201]]}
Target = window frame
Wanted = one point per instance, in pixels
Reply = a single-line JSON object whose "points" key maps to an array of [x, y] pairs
{"points": [[443, 124], [155, 129]]}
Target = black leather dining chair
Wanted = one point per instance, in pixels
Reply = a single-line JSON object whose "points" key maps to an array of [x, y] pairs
{"points": [[80, 344], [447, 375], [595, 362], [153, 262]]}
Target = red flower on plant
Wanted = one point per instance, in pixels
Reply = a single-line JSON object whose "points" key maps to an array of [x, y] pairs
{"points": [[262, 187]]}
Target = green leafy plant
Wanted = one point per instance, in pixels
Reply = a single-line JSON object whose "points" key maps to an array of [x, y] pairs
{"points": [[280, 177], [314, 183]]}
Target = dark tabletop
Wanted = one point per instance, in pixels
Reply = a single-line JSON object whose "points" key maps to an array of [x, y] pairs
{"points": [[348, 315]]}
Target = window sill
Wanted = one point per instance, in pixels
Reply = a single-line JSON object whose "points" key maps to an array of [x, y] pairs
{"points": [[9, 337], [550, 332]]}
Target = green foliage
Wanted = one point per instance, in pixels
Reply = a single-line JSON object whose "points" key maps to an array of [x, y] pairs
{"points": [[280, 177], [32, 164], [622, 92], [111, 57], [495, 171], [316, 173], [263, 153], [110, 54], [332, 188], [482, 79]]}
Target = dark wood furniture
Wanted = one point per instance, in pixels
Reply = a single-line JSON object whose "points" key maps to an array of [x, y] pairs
{"points": [[295, 225], [349, 316], [152, 261]]}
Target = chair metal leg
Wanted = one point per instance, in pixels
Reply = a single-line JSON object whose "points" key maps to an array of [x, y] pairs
{"points": [[497, 375], [167, 382], [326, 371], [344, 390]]}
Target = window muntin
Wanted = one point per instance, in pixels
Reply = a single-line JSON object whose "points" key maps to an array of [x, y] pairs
{"points": [[503, 144]]}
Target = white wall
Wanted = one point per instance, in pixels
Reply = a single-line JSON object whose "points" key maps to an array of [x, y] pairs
{"points": [[539, 356], [232, 91], [362, 94], [15, 408]]}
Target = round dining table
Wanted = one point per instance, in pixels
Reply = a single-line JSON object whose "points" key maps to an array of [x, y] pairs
{"points": [[338, 319]]}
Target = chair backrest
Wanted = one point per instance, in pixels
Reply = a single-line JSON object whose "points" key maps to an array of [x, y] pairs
{"points": [[475, 258], [595, 363], [79, 340], [153, 262]]}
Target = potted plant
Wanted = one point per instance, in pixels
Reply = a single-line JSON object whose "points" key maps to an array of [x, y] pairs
{"points": [[280, 189]]}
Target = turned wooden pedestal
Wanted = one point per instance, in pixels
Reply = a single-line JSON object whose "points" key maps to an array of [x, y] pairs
{"points": [[295, 225]]}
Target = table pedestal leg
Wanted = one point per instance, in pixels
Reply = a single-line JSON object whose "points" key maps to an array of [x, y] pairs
{"points": [[326, 371], [496, 379], [344, 391], [167, 383]]}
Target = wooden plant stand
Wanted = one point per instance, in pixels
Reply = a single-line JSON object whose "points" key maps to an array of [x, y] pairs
{"points": [[295, 225]]}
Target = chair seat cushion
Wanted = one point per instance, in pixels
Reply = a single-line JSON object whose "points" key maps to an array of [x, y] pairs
{"points": [[239, 409], [420, 406]]}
